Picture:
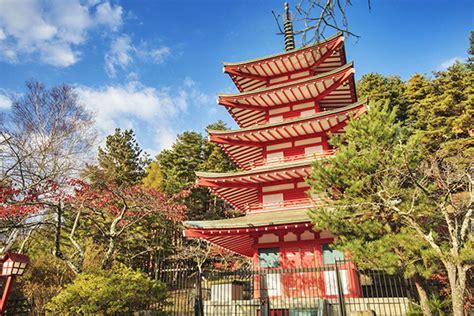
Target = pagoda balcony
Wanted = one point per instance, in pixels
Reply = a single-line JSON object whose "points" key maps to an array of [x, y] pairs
{"points": [[305, 203], [288, 159]]}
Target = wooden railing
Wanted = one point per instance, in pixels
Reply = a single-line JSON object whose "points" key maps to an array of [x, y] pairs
{"points": [[275, 160]]}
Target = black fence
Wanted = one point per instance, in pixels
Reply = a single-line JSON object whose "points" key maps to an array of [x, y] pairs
{"points": [[337, 289]]}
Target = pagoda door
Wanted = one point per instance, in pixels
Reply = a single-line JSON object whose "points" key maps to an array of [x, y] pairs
{"points": [[299, 278], [310, 278], [290, 275]]}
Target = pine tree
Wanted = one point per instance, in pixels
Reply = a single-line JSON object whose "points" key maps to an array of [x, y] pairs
{"points": [[121, 161], [190, 153], [399, 188], [391, 89]]}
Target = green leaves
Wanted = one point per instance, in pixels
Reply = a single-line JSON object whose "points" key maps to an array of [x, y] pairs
{"points": [[398, 187], [107, 292], [121, 161], [192, 152]]}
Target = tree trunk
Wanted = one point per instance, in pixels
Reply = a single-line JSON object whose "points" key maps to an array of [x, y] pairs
{"points": [[57, 236], [424, 300], [107, 261], [457, 283]]}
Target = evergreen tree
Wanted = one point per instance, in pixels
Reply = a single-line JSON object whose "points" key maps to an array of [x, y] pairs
{"points": [[121, 161], [391, 89], [190, 153], [154, 178], [442, 114], [179, 163], [399, 190]]}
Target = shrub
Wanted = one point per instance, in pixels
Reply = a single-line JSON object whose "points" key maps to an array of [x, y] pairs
{"points": [[119, 289], [43, 279]]}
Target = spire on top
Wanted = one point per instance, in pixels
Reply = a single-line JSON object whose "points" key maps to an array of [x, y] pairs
{"points": [[288, 26]]}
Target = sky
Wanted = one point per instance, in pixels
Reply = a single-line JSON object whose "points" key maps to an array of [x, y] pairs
{"points": [[156, 65]]}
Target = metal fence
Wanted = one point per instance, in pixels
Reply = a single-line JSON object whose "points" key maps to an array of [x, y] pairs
{"points": [[337, 289]]}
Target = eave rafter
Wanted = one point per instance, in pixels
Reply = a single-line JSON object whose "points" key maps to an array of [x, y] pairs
{"points": [[250, 108], [245, 146], [257, 136], [241, 189], [255, 74], [285, 94]]}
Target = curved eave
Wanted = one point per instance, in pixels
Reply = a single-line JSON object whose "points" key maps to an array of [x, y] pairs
{"points": [[241, 189], [257, 73], [286, 85], [237, 234], [330, 89], [247, 135], [246, 145], [282, 54], [242, 176]]}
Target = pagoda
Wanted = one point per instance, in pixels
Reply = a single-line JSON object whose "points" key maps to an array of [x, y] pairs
{"points": [[287, 105]]}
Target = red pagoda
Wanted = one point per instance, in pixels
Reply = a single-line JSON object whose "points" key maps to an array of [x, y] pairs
{"points": [[287, 105]]}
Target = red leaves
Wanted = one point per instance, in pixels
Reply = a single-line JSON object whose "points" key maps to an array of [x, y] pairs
{"points": [[129, 203], [17, 203]]}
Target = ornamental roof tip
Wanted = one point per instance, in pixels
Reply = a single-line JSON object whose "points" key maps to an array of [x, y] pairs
{"points": [[328, 39], [292, 83]]}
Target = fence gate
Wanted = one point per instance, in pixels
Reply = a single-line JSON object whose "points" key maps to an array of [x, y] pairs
{"points": [[338, 289]]}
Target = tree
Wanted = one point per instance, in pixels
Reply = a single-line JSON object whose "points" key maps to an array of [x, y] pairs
{"points": [[45, 139], [153, 178], [400, 192], [110, 213], [390, 89], [190, 153], [350, 181], [121, 161], [441, 174], [315, 17]]}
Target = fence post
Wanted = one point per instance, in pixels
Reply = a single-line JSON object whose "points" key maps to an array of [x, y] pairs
{"points": [[198, 304], [340, 291], [264, 299]]}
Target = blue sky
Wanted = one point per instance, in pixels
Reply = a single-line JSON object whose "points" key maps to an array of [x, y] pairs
{"points": [[156, 66]]}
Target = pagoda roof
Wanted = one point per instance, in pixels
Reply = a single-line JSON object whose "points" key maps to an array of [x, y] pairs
{"points": [[235, 234], [257, 73], [249, 108], [245, 146], [241, 189]]}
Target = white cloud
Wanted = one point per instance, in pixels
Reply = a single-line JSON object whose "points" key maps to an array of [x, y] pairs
{"points": [[53, 30], [449, 62], [153, 111], [109, 15], [157, 55], [165, 136], [59, 54], [5, 102], [122, 53], [160, 54], [119, 55]]}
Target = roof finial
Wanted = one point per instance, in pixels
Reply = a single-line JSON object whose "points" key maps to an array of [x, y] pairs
{"points": [[289, 36]]}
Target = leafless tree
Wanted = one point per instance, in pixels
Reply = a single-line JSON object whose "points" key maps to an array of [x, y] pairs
{"points": [[313, 18], [45, 138]]}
